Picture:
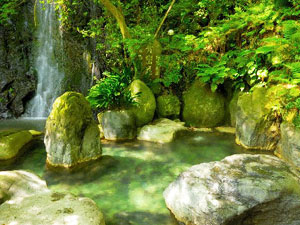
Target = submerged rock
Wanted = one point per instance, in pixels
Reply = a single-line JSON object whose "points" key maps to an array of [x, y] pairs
{"points": [[202, 107], [241, 189], [289, 146], [72, 136], [168, 106], [161, 131], [146, 104], [27, 200], [118, 125], [12, 142]]}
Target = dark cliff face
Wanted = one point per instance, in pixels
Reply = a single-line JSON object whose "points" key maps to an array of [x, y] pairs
{"points": [[17, 75]]}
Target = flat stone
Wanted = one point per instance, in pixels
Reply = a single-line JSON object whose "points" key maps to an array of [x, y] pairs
{"points": [[12, 142], [241, 189], [161, 131]]}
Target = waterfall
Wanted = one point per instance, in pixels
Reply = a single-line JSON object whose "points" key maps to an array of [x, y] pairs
{"points": [[49, 44]]}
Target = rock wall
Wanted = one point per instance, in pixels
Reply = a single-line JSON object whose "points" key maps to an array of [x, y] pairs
{"points": [[17, 76]]}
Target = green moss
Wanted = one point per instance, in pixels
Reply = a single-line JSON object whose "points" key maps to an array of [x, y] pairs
{"points": [[202, 107], [71, 135], [146, 104], [168, 106], [12, 142]]}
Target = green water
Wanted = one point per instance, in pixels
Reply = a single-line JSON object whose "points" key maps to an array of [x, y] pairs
{"points": [[128, 182]]}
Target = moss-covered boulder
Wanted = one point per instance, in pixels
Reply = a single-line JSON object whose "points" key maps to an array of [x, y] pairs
{"points": [[72, 136], [258, 116], [12, 142], [253, 129], [118, 125], [168, 106], [202, 107], [145, 109]]}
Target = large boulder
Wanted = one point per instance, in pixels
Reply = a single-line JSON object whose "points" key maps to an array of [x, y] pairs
{"points": [[161, 131], [202, 107], [12, 142], [27, 200], [168, 106], [146, 104], [289, 146], [118, 125], [241, 189], [258, 116], [72, 136]]}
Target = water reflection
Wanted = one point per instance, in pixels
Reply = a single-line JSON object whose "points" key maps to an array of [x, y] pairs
{"points": [[128, 181]]}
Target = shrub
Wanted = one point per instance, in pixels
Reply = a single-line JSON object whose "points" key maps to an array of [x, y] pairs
{"points": [[111, 92]]}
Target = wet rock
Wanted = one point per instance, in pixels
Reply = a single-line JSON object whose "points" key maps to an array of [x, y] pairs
{"points": [[29, 201], [241, 189], [146, 104], [168, 106], [118, 125], [202, 107], [289, 146], [161, 131], [72, 137], [12, 142]]}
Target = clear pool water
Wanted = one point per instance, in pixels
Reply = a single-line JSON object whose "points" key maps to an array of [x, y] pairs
{"points": [[128, 182]]}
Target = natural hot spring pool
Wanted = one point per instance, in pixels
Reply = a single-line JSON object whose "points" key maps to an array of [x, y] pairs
{"points": [[128, 182]]}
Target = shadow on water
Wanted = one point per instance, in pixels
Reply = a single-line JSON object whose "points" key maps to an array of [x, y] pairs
{"points": [[127, 183]]}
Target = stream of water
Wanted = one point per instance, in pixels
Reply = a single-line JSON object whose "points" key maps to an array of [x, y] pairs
{"points": [[49, 75]]}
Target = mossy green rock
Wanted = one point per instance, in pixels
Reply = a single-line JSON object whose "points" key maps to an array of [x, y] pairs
{"points": [[72, 136], [168, 106], [11, 142], [202, 107], [257, 126], [146, 104]]}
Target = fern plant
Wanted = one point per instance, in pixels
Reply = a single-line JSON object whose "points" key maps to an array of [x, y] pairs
{"points": [[111, 92]]}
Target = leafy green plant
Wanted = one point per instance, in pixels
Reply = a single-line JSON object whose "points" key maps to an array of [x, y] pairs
{"points": [[8, 8], [111, 92]]}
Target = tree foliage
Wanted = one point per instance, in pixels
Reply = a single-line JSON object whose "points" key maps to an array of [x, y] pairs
{"points": [[243, 42]]}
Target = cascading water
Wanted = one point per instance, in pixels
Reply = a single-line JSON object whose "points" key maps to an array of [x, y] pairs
{"points": [[49, 41]]}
